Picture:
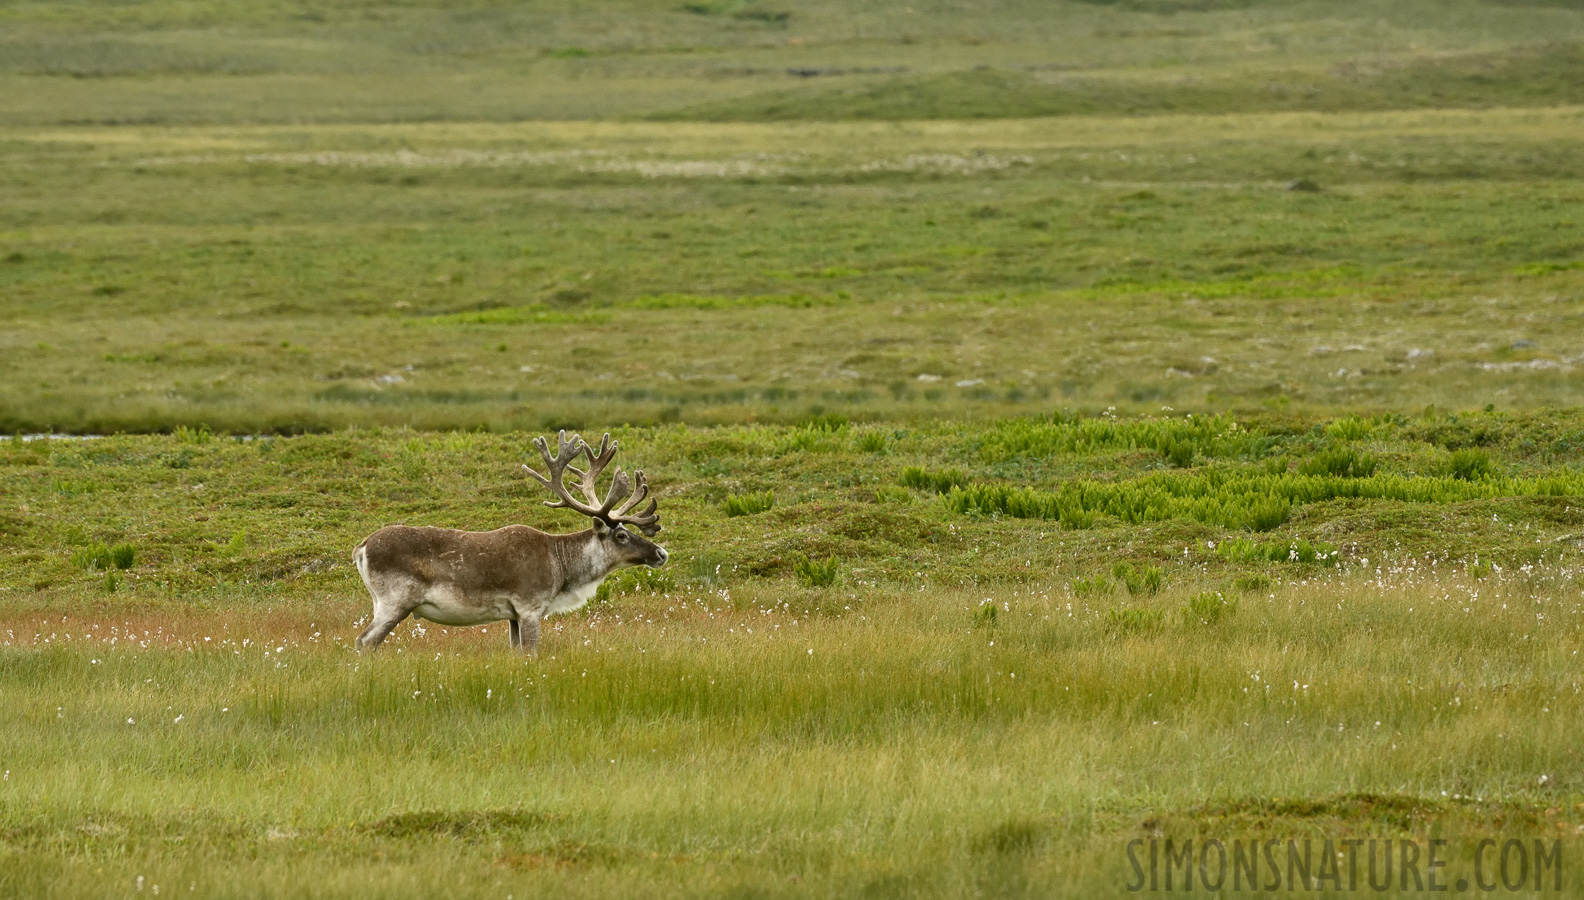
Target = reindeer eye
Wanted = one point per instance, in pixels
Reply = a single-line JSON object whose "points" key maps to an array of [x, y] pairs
{"points": [[621, 537]]}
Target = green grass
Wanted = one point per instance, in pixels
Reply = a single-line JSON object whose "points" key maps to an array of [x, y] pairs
{"points": [[1074, 423], [730, 721], [748, 504], [232, 279]]}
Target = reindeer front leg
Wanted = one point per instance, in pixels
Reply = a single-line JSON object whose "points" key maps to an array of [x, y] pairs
{"points": [[526, 633]]}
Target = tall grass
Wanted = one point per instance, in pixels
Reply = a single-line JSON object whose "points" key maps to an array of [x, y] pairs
{"points": [[694, 739]]}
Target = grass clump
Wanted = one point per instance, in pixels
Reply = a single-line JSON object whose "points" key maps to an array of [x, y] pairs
{"points": [[817, 573], [1092, 586], [104, 557], [1178, 452], [1340, 462], [1251, 583], [941, 482], [1141, 582], [872, 442], [1134, 621], [1207, 608], [986, 613], [1349, 428], [1470, 465], [748, 504], [1297, 551]]}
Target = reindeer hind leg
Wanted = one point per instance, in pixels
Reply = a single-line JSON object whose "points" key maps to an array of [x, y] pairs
{"points": [[392, 604]]}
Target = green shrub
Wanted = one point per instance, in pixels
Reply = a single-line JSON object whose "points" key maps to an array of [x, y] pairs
{"points": [[817, 573], [1341, 462], [1252, 583], [748, 504], [1470, 465], [1134, 621], [1207, 608], [939, 482], [986, 613]]}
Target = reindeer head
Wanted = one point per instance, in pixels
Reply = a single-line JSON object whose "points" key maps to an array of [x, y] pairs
{"points": [[613, 523]]}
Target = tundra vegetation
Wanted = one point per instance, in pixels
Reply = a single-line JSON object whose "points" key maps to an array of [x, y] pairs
{"points": [[1076, 422]]}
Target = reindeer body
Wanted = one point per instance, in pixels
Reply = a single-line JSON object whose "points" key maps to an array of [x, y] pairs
{"points": [[515, 574]]}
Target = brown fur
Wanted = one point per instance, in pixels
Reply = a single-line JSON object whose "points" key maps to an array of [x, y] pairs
{"points": [[516, 574]]}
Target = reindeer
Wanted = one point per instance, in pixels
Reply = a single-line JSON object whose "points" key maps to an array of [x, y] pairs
{"points": [[515, 573]]}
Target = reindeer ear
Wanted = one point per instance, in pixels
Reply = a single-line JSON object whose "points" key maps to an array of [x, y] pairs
{"points": [[601, 527]]}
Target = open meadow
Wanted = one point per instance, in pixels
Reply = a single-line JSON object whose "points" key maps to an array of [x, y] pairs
{"points": [[1077, 425]]}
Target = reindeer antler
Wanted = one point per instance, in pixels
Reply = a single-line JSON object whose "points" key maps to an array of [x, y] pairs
{"points": [[566, 451], [621, 488]]}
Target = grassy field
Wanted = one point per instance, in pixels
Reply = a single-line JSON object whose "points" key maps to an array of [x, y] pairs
{"points": [[1075, 424], [974, 703]]}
